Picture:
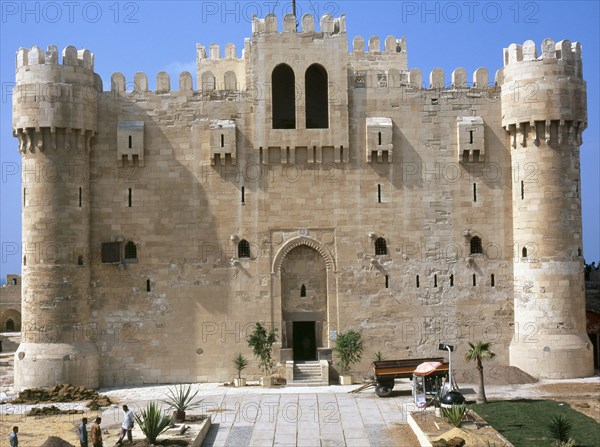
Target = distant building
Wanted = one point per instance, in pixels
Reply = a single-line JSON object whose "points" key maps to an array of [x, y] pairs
{"points": [[10, 304]]}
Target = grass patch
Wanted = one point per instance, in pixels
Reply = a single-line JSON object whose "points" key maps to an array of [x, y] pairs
{"points": [[525, 422]]}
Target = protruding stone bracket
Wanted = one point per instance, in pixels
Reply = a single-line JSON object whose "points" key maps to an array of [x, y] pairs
{"points": [[39, 141], [547, 131], [130, 142], [533, 130], [379, 139]]}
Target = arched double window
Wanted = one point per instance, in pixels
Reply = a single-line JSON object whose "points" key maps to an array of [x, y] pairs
{"points": [[283, 94], [317, 107]]}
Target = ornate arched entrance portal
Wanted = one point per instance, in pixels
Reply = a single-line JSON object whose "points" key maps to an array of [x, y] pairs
{"points": [[305, 293]]}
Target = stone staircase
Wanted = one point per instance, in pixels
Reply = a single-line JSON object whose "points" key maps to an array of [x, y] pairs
{"points": [[314, 373]]}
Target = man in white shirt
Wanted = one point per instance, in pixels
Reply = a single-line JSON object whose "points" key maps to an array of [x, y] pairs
{"points": [[127, 426]]}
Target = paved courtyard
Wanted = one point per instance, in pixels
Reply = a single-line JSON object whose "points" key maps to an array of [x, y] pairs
{"points": [[323, 416]]}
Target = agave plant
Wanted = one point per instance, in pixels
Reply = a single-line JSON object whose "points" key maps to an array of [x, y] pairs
{"points": [[152, 421], [560, 429], [180, 399], [456, 414], [240, 362]]}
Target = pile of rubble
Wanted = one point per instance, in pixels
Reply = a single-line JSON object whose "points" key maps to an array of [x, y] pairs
{"points": [[46, 411], [63, 393]]}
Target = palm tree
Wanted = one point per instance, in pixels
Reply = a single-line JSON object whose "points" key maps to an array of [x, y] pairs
{"points": [[478, 352]]}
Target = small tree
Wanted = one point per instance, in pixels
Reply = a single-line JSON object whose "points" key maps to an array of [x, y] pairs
{"points": [[240, 362], [479, 352], [349, 349], [261, 341], [152, 421]]}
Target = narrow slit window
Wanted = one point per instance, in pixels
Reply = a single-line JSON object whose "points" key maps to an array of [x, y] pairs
{"points": [[379, 138], [80, 195], [579, 252], [129, 198], [303, 291], [80, 260], [222, 140], [418, 281], [492, 280], [130, 141], [24, 260], [379, 193], [148, 288], [474, 280], [434, 280], [470, 137], [474, 192], [24, 196], [243, 195], [524, 252], [387, 281], [451, 280], [522, 190]]}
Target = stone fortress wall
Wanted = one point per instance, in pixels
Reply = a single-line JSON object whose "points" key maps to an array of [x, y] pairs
{"points": [[394, 209]]}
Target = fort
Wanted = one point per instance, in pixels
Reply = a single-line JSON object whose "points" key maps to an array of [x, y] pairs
{"points": [[305, 186]]}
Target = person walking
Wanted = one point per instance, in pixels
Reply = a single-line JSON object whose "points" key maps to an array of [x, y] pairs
{"points": [[83, 434], [13, 439], [127, 426], [96, 433]]}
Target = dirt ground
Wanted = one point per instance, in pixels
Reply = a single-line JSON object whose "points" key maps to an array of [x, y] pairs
{"points": [[35, 430], [583, 397]]}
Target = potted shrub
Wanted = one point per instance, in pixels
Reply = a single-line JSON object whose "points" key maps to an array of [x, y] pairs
{"points": [[180, 399], [240, 362], [261, 341], [349, 349]]}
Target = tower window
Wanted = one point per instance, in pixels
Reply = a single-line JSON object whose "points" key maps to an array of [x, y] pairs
{"points": [[80, 194], [492, 280], [434, 280], [130, 141], [379, 193], [222, 140], [24, 196], [129, 198], [243, 195], [283, 95], [317, 97], [522, 190], [380, 246], [451, 280], [476, 247], [130, 250], [14, 281], [471, 137], [148, 288], [379, 138], [303, 291], [418, 281], [243, 249], [24, 260], [524, 252], [387, 281], [474, 192], [80, 260], [474, 280]]}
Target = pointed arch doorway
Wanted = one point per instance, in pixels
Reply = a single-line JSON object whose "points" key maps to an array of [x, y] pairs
{"points": [[305, 289]]}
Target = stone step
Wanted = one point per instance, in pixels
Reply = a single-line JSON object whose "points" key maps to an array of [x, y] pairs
{"points": [[307, 383]]}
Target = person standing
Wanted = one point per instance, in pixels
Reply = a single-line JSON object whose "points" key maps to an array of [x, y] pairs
{"points": [[96, 433], [13, 439], [83, 434], [127, 426]]}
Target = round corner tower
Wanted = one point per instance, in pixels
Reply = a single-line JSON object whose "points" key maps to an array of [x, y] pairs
{"points": [[54, 119], [544, 112]]}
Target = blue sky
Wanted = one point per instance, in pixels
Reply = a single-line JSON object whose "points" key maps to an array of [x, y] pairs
{"points": [[153, 36]]}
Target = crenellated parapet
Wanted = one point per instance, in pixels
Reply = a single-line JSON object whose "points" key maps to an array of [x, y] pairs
{"points": [[328, 25], [218, 73], [118, 84], [55, 102], [373, 67], [543, 95]]}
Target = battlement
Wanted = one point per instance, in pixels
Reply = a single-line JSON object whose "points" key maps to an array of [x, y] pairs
{"points": [[329, 26], [70, 56], [217, 73], [563, 52]]}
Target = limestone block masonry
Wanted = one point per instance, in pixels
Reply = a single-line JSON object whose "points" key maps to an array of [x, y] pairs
{"points": [[306, 187]]}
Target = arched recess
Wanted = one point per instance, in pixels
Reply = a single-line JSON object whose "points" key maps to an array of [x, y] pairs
{"points": [[10, 315], [317, 97], [230, 80], [303, 261], [283, 94], [207, 81]]}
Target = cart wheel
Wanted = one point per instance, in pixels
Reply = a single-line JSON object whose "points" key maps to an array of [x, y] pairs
{"points": [[384, 389]]}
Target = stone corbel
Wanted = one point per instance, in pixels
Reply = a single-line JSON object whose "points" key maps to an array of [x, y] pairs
{"points": [[39, 139], [29, 140], [561, 126], [53, 138], [533, 130], [68, 138], [547, 131]]}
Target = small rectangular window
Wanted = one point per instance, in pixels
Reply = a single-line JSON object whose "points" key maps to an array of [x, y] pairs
{"points": [[129, 198], [148, 288], [418, 281], [470, 137], [474, 280], [434, 280], [522, 190], [379, 138], [474, 192], [379, 193], [80, 193], [222, 140], [451, 280], [243, 195], [24, 196], [492, 280], [130, 141], [387, 281]]}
